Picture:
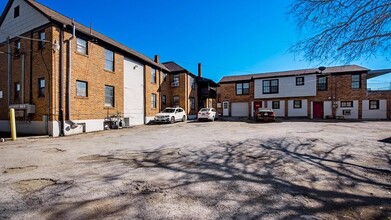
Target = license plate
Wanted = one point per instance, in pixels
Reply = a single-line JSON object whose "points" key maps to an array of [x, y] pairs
{"points": [[266, 114], [203, 113]]}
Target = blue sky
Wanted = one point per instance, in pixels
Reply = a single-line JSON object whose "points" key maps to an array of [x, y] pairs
{"points": [[228, 37]]}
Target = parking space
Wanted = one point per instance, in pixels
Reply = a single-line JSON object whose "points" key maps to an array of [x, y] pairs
{"points": [[207, 170]]}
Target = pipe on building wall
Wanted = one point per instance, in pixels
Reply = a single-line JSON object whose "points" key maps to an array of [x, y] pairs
{"points": [[69, 71], [22, 100], [61, 113], [8, 71], [31, 69]]}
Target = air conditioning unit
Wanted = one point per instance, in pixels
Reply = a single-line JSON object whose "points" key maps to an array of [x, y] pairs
{"points": [[28, 108]]}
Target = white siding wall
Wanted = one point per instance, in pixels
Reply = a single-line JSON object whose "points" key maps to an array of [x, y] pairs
{"points": [[380, 113], [28, 19], [287, 87], [298, 112], [134, 91], [279, 112], [327, 108], [353, 111]]}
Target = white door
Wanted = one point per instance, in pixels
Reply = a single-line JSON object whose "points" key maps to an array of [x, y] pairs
{"points": [[239, 109], [225, 108]]}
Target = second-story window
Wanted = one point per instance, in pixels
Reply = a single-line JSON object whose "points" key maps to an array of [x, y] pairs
{"points": [[192, 82], [153, 75], [16, 11], [300, 81], [81, 46], [270, 86], [242, 88], [175, 80], [17, 47], [322, 83], [109, 60], [356, 81], [346, 104], [42, 38]]}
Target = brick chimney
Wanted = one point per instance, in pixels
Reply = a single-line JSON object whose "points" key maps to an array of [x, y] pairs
{"points": [[157, 59], [199, 70]]}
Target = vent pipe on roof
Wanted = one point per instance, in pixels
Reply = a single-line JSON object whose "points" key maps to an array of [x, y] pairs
{"points": [[199, 70], [157, 59]]}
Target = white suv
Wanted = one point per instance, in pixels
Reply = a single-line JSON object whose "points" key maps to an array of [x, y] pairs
{"points": [[171, 115]]}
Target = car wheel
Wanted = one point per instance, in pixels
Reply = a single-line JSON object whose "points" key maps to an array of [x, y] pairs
{"points": [[184, 118], [172, 120]]}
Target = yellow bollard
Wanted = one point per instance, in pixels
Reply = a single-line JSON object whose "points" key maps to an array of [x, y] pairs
{"points": [[12, 124]]}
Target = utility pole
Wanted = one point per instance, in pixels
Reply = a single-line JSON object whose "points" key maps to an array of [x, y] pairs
{"points": [[9, 70]]}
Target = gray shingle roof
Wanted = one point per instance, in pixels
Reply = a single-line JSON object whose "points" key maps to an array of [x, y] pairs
{"points": [[328, 70], [55, 16]]}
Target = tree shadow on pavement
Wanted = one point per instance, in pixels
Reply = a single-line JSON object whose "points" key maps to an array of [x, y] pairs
{"points": [[253, 179]]}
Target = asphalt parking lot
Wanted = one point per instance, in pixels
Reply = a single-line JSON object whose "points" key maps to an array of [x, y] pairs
{"points": [[209, 170]]}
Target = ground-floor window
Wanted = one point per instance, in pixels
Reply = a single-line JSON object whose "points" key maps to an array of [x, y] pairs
{"points": [[373, 104], [164, 100], [276, 104], [81, 88], [192, 103], [175, 101], [153, 100], [109, 96], [41, 87], [297, 104]]}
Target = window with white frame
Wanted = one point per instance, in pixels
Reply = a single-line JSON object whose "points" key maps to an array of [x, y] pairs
{"points": [[109, 96], [153, 100], [356, 81], [153, 75], [373, 104], [81, 88], [346, 104], [276, 104], [109, 60], [296, 103], [81, 46], [270, 86]]}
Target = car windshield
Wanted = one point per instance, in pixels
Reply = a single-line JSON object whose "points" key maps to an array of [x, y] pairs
{"points": [[169, 110], [204, 110]]}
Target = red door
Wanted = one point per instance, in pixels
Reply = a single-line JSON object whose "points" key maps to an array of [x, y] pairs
{"points": [[257, 105], [318, 110]]}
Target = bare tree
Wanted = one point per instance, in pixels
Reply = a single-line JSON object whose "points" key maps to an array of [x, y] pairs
{"points": [[342, 30]]}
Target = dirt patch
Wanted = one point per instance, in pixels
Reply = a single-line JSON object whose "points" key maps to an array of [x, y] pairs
{"points": [[33, 185], [13, 170], [54, 150]]}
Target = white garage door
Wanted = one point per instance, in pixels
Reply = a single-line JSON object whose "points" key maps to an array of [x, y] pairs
{"points": [[239, 109]]}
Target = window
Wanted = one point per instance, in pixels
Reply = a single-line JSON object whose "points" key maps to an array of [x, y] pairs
{"points": [[296, 103], [373, 104], [175, 101], [109, 96], [276, 104], [346, 104], [300, 81], [17, 90], [322, 83], [270, 86], [346, 112], [153, 75], [242, 88], [356, 81], [192, 103], [164, 100], [164, 76], [81, 46], [109, 60], [175, 81], [41, 87], [192, 82], [42, 38], [17, 47], [81, 88], [153, 100], [16, 11], [1, 94]]}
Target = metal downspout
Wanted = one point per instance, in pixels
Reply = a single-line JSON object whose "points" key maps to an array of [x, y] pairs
{"points": [[61, 113], [69, 72]]}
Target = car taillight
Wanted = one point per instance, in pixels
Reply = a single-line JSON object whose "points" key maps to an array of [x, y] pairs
{"points": [[273, 114], [208, 113]]}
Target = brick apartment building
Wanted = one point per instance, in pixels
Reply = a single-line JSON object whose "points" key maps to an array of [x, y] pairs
{"points": [[64, 78], [333, 92]]}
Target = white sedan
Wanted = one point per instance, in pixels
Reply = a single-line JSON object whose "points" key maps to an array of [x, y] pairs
{"points": [[171, 115], [207, 114]]}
